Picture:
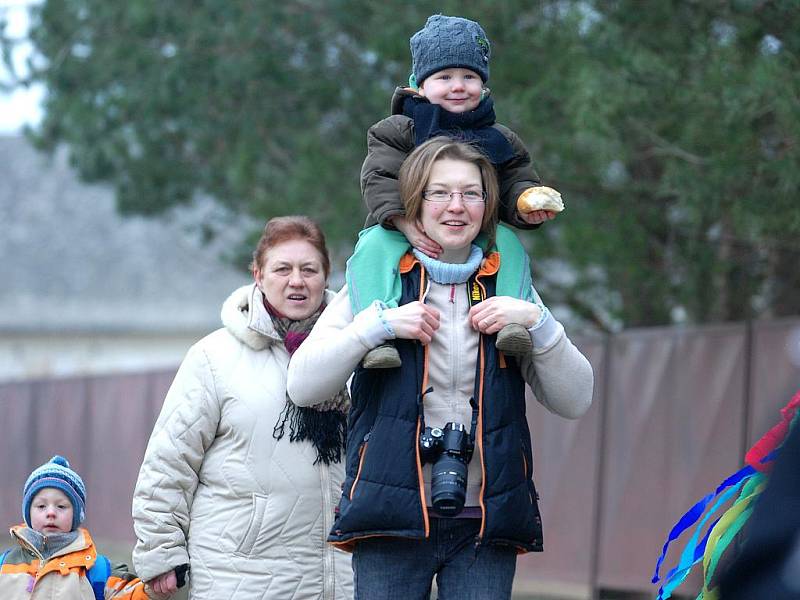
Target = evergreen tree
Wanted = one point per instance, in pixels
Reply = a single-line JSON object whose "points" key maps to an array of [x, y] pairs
{"points": [[671, 128]]}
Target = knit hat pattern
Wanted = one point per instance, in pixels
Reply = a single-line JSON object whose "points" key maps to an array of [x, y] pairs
{"points": [[56, 474], [449, 42]]}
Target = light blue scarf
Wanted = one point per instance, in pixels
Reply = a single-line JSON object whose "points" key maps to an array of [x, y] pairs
{"points": [[449, 273]]}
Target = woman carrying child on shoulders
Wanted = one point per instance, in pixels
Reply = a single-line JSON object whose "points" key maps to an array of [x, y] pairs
{"points": [[439, 464]]}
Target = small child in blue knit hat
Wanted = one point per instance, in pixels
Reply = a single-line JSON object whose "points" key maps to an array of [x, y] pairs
{"points": [[53, 556], [447, 96]]}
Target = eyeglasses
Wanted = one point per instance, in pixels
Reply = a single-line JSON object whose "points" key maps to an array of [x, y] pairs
{"points": [[441, 196]]}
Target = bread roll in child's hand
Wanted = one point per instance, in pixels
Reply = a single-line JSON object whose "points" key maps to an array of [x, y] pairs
{"points": [[540, 198]]}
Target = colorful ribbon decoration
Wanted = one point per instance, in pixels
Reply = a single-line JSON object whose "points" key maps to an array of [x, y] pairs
{"points": [[748, 482]]}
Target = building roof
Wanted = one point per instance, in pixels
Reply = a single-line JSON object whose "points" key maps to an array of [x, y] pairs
{"points": [[69, 262]]}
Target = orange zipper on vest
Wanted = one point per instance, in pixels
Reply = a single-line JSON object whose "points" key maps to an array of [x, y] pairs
{"points": [[420, 477], [479, 433], [525, 474], [361, 452]]}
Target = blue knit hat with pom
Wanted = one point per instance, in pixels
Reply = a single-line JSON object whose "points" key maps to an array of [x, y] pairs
{"points": [[56, 474]]}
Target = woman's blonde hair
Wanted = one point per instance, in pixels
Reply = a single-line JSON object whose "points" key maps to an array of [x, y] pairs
{"points": [[416, 172]]}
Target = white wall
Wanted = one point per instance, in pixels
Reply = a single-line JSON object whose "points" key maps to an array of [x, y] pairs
{"points": [[32, 356]]}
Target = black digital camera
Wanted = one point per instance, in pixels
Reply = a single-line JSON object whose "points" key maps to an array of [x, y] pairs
{"points": [[449, 450]]}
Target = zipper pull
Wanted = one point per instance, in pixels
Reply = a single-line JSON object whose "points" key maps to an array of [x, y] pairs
{"points": [[452, 293], [477, 545]]}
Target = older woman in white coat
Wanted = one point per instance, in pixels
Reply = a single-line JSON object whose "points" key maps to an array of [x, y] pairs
{"points": [[238, 484]]}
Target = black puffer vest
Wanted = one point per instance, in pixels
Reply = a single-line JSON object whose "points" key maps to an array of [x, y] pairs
{"points": [[383, 491]]}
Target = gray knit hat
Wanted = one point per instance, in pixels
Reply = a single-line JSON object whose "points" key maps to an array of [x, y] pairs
{"points": [[447, 42]]}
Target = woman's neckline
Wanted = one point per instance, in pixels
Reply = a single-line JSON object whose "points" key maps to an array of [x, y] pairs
{"points": [[450, 273], [457, 256]]}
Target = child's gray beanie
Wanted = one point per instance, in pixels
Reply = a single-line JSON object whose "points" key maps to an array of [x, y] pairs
{"points": [[447, 42]]}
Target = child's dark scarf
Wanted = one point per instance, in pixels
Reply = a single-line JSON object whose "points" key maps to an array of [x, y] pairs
{"points": [[324, 424], [474, 126]]}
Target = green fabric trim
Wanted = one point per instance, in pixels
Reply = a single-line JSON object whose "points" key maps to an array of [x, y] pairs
{"points": [[369, 279], [514, 276], [750, 492], [725, 541], [373, 269]]}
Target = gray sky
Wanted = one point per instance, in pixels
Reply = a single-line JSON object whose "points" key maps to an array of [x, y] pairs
{"points": [[22, 106]]}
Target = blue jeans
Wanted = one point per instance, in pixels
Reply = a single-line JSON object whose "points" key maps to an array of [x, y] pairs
{"points": [[389, 568]]}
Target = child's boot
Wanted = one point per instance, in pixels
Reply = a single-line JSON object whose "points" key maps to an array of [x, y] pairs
{"points": [[384, 356], [514, 340]]}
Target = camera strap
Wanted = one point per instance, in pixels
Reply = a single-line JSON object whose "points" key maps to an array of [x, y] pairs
{"points": [[473, 427], [420, 405]]}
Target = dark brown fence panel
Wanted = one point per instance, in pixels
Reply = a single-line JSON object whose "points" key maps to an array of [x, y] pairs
{"points": [[18, 445], [59, 421], [565, 459], [636, 455], [674, 421], [775, 373], [62, 404], [121, 416]]}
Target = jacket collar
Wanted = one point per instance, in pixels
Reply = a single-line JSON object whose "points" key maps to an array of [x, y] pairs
{"points": [[246, 318], [399, 96], [23, 535], [489, 265]]}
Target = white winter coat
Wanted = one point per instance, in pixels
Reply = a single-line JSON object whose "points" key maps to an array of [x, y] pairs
{"points": [[216, 490]]}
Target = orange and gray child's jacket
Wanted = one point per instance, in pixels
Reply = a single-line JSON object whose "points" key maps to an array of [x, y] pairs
{"points": [[26, 575]]}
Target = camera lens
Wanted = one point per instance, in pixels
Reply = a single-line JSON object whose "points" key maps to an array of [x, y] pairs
{"points": [[449, 484], [449, 449]]}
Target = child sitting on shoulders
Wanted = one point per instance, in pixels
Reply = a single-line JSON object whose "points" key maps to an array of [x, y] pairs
{"points": [[447, 96]]}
